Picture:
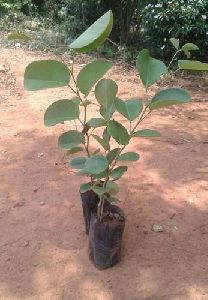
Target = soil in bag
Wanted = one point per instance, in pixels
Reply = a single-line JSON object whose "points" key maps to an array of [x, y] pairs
{"points": [[105, 238]]}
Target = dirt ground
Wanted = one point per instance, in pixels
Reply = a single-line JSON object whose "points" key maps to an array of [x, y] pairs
{"points": [[43, 246]]}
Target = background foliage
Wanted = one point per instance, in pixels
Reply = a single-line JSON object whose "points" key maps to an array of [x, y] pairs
{"points": [[137, 23]]}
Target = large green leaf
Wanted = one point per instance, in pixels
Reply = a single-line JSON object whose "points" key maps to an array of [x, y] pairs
{"points": [[45, 74], [18, 36], [130, 109], [112, 155], [118, 132], [71, 139], [91, 73], [62, 110], [105, 92], [192, 65], [169, 97], [150, 69], [102, 142], [95, 165], [96, 122], [118, 172], [175, 42], [78, 162], [189, 47], [146, 133], [129, 156], [95, 35]]}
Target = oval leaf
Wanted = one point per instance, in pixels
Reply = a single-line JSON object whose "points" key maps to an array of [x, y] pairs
{"points": [[129, 156], [95, 165], [18, 36], [45, 74], [96, 122], [130, 109], [146, 133], [62, 110], [192, 65], [189, 47], [118, 132], [169, 97], [150, 69], [118, 172], [95, 35], [78, 162], [105, 92], [91, 73], [71, 139]]}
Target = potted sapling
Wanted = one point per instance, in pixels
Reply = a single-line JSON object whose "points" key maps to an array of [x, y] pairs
{"points": [[105, 165]]}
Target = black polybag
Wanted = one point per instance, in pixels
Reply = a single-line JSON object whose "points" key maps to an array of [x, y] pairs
{"points": [[89, 204], [105, 240]]}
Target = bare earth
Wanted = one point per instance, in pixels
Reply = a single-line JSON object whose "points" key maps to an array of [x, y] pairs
{"points": [[43, 246]]}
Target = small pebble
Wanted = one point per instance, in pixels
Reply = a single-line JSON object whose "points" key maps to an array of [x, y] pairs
{"points": [[25, 244], [157, 228], [40, 154]]}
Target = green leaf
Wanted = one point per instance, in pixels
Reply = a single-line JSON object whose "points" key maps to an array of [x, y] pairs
{"points": [[78, 163], [84, 187], [175, 43], [112, 188], [95, 35], [146, 133], [112, 155], [62, 110], [189, 47], [150, 69], [169, 97], [71, 139], [129, 156], [96, 122], [91, 73], [102, 142], [74, 150], [95, 165], [130, 109], [18, 36], [105, 92], [118, 172], [99, 190], [107, 112], [45, 74], [192, 65], [118, 132]]}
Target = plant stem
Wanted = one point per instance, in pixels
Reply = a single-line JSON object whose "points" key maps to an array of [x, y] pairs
{"points": [[172, 60]]}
